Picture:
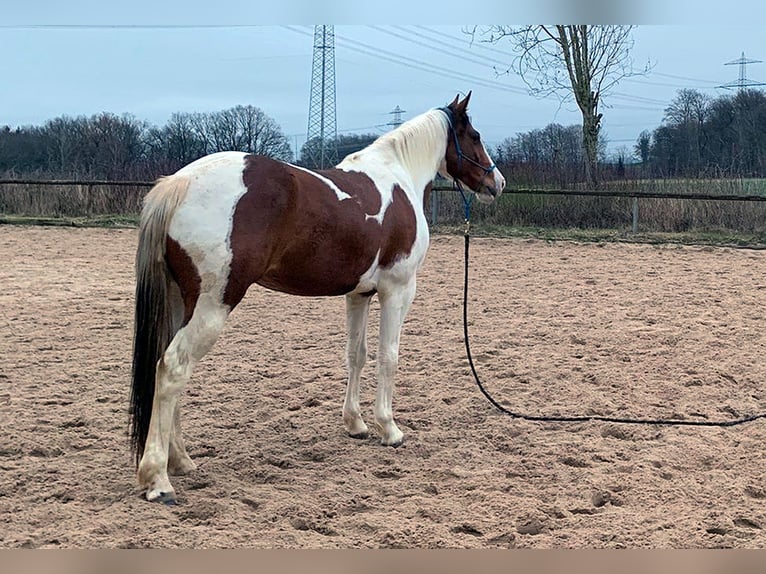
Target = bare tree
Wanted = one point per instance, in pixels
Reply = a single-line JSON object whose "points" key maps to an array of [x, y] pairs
{"points": [[175, 144], [115, 145], [543, 156], [583, 62], [687, 114], [103, 145], [242, 128], [346, 144]]}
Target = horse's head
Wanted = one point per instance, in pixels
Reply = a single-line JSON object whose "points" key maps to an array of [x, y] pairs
{"points": [[467, 160]]}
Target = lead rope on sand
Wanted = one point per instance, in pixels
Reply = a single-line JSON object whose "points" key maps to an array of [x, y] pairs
{"points": [[567, 419]]}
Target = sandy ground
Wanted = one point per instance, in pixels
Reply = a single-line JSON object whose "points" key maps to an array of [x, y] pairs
{"points": [[557, 328]]}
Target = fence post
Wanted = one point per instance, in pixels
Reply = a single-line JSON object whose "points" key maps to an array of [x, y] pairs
{"points": [[635, 215], [434, 207], [88, 205]]}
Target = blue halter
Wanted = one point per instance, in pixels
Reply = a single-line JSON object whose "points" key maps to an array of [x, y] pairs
{"points": [[467, 200]]}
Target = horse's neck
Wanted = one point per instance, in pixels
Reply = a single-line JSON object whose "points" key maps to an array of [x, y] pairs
{"points": [[422, 155], [418, 158]]}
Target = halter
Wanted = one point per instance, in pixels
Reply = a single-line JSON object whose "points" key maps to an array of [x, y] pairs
{"points": [[467, 200]]}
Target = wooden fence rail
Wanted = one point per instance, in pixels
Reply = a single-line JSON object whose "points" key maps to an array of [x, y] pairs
{"points": [[441, 187], [635, 195], [71, 182]]}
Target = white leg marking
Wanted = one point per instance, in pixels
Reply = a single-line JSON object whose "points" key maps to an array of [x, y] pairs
{"points": [[179, 461], [173, 372], [394, 307], [357, 312]]}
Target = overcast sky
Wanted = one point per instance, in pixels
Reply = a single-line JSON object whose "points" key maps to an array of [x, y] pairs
{"points": [[151, 62]]}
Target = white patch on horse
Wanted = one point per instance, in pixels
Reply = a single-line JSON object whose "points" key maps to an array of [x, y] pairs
{"points": [[386, 174], [202, 224], [369, 279]]}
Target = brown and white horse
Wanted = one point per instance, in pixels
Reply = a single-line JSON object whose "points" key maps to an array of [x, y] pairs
{"points": [[231, 219]]}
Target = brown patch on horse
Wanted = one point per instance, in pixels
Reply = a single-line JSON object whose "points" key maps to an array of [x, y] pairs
{"points": [[399, 228], [291, 233], [358, 185], [185, 274]]}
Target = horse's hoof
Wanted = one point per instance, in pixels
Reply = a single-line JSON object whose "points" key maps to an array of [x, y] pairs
{"points": [[360, 435], [166, 498], [395, 444]]}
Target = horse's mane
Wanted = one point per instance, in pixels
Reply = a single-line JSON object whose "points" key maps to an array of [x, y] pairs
{"points": [[419, 143]]}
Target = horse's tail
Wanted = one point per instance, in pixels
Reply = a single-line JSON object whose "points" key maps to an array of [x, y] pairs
{"points": [[153, 322]]}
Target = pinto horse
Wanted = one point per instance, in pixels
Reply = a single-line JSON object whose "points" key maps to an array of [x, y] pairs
{"points": [[232, 219]]}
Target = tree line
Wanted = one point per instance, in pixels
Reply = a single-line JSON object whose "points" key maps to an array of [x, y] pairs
{"points": [[123, 147], [703, 136], [700, 137], [108, 146]]}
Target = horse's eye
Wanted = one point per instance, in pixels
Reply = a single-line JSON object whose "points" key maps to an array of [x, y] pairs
{"points": [[476, 137]]}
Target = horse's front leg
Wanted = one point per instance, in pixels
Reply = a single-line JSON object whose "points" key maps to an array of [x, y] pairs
{"points": [[394, 305], [357, 312]]}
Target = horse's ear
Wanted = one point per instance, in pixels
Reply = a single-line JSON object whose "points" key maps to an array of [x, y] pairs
{"points": [[463, 106], [454, 103]]}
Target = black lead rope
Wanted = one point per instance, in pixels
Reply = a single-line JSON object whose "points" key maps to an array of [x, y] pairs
{"points": [[572, 419]]}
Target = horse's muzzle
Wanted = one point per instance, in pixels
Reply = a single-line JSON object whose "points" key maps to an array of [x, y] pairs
{"points": [[486, 194], [491, 188]]}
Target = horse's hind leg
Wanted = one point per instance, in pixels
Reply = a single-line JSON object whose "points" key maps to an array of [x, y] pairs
{"points": [[179, 461], [357, 312], [173, 372]]}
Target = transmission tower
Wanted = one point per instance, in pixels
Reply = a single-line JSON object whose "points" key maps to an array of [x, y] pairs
{"points": [[323, 130], [743, 82], [397, 121]]}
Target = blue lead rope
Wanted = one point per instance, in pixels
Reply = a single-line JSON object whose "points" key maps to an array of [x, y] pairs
{"points": [[467, 204]]}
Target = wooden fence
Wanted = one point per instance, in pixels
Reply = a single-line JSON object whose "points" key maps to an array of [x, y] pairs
{"points": [[84, 193]]}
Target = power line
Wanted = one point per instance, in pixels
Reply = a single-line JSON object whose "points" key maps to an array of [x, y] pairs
{"points": [[639, 99], [389, 56], [438, 46], [442, 36], [424, 65], [471, 43], [125, 26], [663, 84], [340, 130], [435, 45], [676, 77], [616, 95]]}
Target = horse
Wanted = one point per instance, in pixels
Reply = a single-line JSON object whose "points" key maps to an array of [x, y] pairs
{"points": [[230, 220]]}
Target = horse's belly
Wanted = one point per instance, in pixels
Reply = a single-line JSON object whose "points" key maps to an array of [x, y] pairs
{"points": [[319, 276]]}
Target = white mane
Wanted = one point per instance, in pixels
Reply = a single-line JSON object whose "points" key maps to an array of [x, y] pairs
{"points": [[418, 144]]}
